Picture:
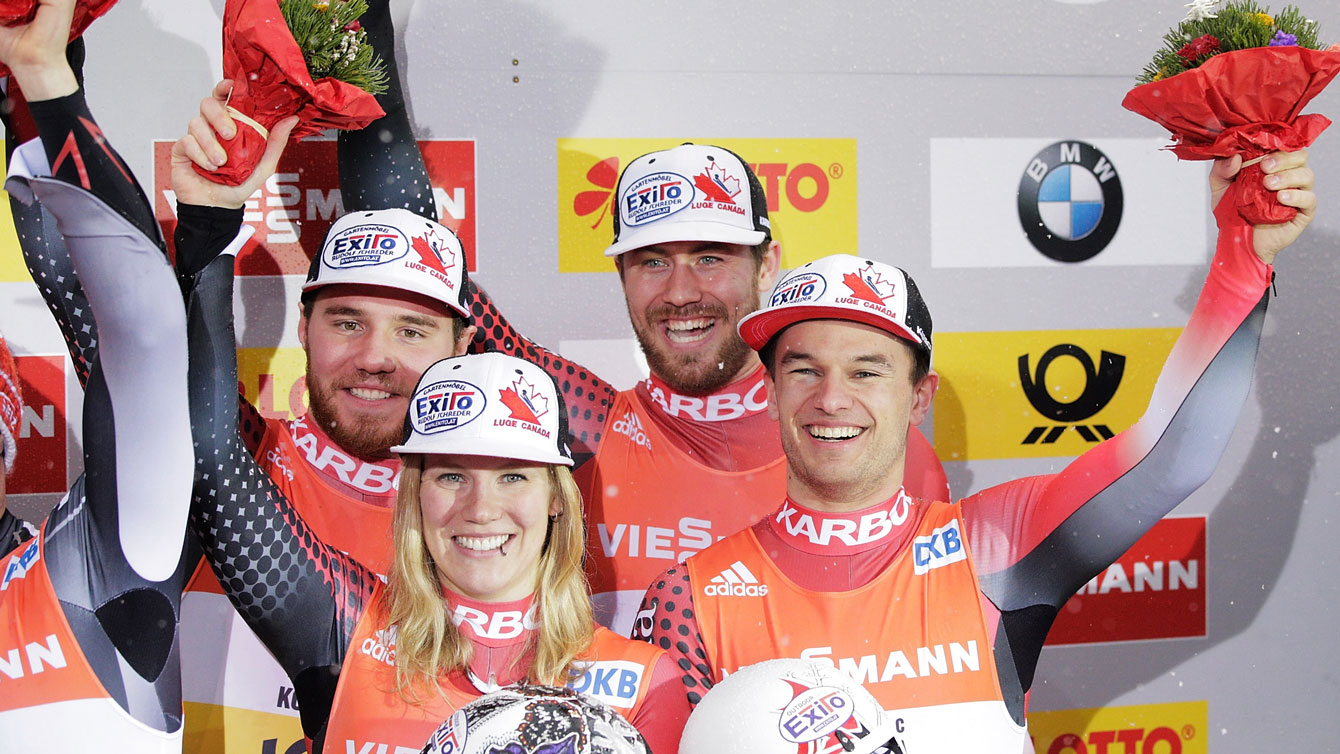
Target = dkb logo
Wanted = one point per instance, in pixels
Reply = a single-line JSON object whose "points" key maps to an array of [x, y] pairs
{"points": [[1099, 386]]}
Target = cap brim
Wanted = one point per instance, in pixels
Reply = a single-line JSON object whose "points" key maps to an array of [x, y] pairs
{"points": [[468, 445], [668, 231], [393, 283], [758, 328]]}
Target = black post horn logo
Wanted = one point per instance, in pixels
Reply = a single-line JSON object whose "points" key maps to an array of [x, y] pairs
{"points": [[1099, 387]]}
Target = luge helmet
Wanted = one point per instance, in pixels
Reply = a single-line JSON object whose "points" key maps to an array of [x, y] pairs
{"points": [[536, 720], [789, 706]]}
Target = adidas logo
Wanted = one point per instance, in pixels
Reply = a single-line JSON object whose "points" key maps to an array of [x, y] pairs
{"points": [[631, 427], [736, 581]]}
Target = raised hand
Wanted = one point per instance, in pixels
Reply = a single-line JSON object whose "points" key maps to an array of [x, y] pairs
{"points": [[200, 146], [1288, 175], [35, 53]]}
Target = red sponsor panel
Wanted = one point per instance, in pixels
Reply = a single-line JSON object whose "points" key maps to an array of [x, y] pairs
{"points": [[41, 458], [298, 204], [1156, 590]]}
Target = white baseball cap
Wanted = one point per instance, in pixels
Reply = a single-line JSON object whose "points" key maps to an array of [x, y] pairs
{"points": [[394, 248], [693, 192], [842, 286], [487, 404], [788, 705], [536, 720]]}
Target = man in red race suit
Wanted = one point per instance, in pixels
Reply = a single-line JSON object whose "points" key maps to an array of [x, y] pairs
{"points": [[940, 609], [688, 455]]}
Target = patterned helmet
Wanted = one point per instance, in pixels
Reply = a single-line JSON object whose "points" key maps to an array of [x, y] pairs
{"points": [[789, 707], [536, 720]]}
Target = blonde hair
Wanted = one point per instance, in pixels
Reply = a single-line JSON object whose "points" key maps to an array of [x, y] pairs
{"points": [[428, 644]]}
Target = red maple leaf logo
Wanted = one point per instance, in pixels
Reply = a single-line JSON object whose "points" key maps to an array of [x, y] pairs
{"points": [[867, 289], [428, 253], [523, 402], [716, 184], [603, 174]]}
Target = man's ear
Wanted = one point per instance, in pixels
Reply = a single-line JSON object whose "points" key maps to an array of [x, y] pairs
{"points": [[922, 394], [771, 387], [462, 344], [769, 267], [302, 325]]}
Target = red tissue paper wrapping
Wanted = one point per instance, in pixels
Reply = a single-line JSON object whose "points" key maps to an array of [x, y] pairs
{"points": [[1243, 102], [271, 82], [20, 12]]}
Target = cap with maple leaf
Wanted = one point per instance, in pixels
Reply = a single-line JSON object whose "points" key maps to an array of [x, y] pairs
{"points": [[845, 287], [393, 248], [487, 404], [694, 192]]}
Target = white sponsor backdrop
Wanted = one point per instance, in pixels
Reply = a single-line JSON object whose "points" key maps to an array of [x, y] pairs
{"points": [[947, 101], [975, 221]]}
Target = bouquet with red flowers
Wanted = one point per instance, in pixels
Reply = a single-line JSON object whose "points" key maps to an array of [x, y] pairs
{"points": [[308, 58], [20, 12], [1233, 80]]}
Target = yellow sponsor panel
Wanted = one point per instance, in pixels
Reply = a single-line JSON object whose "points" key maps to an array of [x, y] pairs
{"points": [[12, 269], [810, 185], [1042, 393], [1174, 728], [214, 729], [274, 380]]}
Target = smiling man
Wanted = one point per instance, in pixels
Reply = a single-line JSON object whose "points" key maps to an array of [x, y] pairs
{"points": [[689, 455], [939, 609], [383, 301]]}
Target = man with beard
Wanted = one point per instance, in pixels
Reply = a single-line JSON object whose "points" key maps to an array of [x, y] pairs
{"points": [[383, 300], [689, 455]]}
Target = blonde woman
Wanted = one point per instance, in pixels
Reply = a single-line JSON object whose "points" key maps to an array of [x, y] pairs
{"points": [[486, 587]]}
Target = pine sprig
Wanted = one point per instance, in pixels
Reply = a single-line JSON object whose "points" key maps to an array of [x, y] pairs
{"points": [[1238, 25], [333, 42]]}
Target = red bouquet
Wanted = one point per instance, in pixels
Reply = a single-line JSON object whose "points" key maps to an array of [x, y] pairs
{"points": [[328, 81], [20, 12], [1238, 91]]}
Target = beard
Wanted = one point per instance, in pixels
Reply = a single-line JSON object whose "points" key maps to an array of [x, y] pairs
{"points": [[701, 372], [362, 436]]}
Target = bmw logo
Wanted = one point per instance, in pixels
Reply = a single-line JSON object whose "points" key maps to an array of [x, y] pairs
{"points": [[1070, 201]]}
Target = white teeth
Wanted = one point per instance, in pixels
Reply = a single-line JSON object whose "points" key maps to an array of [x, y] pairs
{"points": [[481, 544], [368, 394], [834, 433], [688, 330], [688, 324]]}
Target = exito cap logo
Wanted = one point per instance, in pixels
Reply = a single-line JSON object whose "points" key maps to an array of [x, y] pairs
{"points": [[1070, 201], [816, 713], [1100, 385], [366, 245], [807, 286], [446, 405], [524, 403], [655, 196]]}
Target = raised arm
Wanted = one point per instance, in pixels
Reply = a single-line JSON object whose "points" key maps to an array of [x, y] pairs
{"points": [[1037, 541], [136, 392], [42, 246], [301, 597], [381, 167]]}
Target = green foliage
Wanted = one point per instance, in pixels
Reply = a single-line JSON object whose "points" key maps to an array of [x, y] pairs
{"points": [[1238, 26], [332, 44]]}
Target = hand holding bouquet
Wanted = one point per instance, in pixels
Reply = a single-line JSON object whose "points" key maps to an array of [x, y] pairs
{"points": [[22, 12], [1233, 80], [308, 58]]}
